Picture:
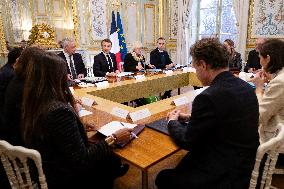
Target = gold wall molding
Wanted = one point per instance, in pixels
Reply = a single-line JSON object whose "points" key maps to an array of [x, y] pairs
{"points": [[250, 41], [2, 37], [161, 17], [75, 21]]}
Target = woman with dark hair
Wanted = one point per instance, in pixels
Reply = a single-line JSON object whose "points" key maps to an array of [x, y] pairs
{"points": [[271, 98], [235, 60], [51, 125]]}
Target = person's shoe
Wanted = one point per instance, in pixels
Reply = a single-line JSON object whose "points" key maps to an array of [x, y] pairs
{"points": [[122, 170]]}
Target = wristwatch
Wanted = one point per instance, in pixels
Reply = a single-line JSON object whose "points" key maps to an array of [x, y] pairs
{"points": [[110, 140]]}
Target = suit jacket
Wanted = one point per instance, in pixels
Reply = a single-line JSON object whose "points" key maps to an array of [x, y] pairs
{"points": [[271, 106], [235, 62], [155, 59], [101, 67], [130, 63], [221, 136], [78, 62], [253, 61]]}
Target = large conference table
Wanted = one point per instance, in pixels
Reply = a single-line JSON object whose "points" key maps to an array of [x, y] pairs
{"points": [[151, 147]]}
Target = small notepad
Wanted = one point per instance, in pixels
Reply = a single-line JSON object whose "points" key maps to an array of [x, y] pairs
{"points": [[114, 126]]}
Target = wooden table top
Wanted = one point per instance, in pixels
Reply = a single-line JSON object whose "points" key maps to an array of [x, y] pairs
{"points": [[151, 146]]}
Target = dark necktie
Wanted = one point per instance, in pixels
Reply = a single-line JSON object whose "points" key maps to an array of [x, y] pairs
{"points": [[109, 63], [72, 69]]}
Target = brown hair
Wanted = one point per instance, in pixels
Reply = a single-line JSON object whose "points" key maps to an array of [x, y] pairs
{"points": [[28, 56], [106, 40], [46, 82], [211, 51], [161, 38], [230, 42], [274, 48]]}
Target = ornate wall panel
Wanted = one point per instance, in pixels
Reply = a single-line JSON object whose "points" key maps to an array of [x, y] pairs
{"points": [[132, 22], [268, 19], [41, 8], [173, 10], [149, 24], [98, 19]]}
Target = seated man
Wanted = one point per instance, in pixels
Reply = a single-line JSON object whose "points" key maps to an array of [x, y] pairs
{"points": [[160, 59], [222, 132], [6, 75], [253, 62], [105, 63], [74, 62]]}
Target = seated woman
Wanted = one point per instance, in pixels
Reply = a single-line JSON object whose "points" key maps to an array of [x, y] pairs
{"points": [[51, 125], [270, 98], [134, 61], [235, 60]]}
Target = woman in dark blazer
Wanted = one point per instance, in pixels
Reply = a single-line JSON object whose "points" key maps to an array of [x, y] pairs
{"points": [[134, 61], [235, 60], [50, 124]]}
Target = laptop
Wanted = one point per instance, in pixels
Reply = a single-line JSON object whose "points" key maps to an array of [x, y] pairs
{"points": [[159, 125]]}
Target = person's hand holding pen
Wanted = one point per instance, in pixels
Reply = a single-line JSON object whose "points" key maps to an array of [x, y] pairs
{"points": [[123, 135], [132, 133]]}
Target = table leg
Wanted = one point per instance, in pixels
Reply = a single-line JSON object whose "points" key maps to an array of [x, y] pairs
{"points": [[145, 179]]}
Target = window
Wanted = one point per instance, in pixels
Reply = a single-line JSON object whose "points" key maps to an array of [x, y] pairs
{"points": [[217, 18]]}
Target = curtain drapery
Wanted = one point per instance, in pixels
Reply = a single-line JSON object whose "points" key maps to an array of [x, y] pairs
{"points": [[184, 8], [241, 9]]}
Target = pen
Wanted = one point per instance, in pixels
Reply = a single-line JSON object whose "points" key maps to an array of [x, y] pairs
{"points": [[132, 134]]}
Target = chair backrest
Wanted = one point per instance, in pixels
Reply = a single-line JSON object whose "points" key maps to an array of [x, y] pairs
{"points": [[15, 162], [271, 148], [90, 71]]}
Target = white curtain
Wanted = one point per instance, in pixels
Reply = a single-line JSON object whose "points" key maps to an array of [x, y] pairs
{"points": [[184, 8], [241, 9]]}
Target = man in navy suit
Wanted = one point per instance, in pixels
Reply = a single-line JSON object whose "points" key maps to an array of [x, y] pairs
{"points": [[221, 133], [74, 62], [105, 62]]}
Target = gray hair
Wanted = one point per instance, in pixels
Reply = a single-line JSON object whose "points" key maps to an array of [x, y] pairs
{"points": [[66, 41], [136, 44]]}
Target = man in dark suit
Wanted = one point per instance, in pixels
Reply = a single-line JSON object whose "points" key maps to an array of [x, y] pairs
{"points": [[105, 62], [221, 133], [74, 62], [160, 59], [253, 62]]}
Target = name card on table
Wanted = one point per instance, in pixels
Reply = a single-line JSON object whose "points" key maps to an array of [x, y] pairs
{"points": [[140, 77], [140, 114], [169, 72], [87, 101], [119, 112], [84, 112], [180, 101], [102, 84], [188, 69]]}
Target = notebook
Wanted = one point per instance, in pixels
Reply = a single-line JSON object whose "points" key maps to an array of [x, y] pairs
{"points": [[159, 125]]}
